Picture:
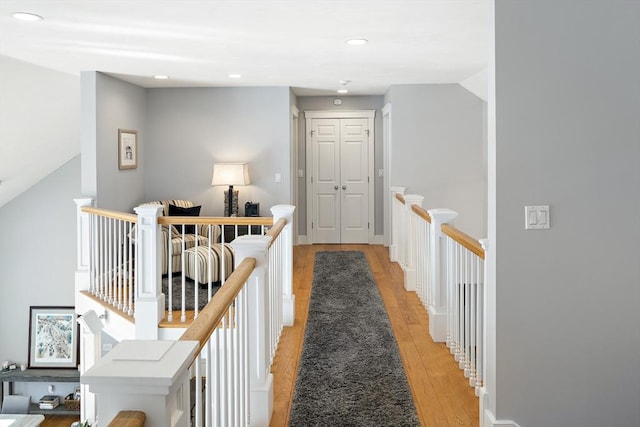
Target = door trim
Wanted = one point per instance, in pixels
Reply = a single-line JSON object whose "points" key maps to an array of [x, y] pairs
{"points": [[344, 114]]}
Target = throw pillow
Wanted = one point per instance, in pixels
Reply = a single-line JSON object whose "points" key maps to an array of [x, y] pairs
{"points": [[178, 211]]}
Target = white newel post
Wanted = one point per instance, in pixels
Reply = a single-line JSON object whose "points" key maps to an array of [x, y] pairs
{"points": [[260, 377], [438, 308], [410, 241], [147, 376], [83, 245], [395, 223], [149, 300], [289, 299]]}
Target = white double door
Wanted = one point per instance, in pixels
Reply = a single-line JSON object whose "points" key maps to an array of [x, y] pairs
{"points": [[340, 179]]}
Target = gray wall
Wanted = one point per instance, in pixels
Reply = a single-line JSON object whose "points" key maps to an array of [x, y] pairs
{"points": [[109, 104], [190, 129], [38, 257], [568, 135], [437, 136], [313, 103]]}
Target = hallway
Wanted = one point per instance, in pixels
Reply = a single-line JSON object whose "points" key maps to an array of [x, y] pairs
{"points": [[442, 395]]}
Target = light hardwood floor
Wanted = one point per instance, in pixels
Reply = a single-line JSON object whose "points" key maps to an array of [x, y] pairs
{"points": [[442, 395]]}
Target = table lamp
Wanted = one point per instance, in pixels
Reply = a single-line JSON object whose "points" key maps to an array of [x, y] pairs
{"points": [[230, 174]]}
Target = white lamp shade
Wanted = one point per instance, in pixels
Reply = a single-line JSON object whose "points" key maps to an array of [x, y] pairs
{"points": [[230, 174]]}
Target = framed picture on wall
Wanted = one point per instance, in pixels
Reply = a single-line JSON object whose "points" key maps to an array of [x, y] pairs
{"points": [[53, 337], [127, 149]]}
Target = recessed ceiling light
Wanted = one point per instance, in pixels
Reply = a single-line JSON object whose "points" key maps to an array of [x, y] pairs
{"points": [[26, 16], [356, 42], [235, 76], [161, 77], [343, 91]]}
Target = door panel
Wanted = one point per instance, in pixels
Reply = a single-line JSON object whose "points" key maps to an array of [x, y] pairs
{"points": [[355, 181], [340, 181], [326, 175]]}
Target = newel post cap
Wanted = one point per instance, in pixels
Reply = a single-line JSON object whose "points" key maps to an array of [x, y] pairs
{"points": [[442, 216], [413, 199]]}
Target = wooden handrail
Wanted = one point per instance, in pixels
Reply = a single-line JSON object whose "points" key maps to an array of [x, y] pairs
{"points": [[276, 229], [110, 214], [464, 239], [421, 213], [400, 197], [128, 419], [222, 220], [212, 313]]}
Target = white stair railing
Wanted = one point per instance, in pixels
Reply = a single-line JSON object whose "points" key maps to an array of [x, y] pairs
{"points": [[446, 269], [465, 301]]}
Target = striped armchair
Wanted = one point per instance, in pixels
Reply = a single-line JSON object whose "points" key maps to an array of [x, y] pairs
{"points": [[172, 234]]}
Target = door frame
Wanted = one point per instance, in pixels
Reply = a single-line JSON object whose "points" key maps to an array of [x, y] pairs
{"points": [[343, 114]]}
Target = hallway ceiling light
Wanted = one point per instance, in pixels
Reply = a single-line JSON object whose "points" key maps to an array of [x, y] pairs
{"points": [[356, 42], [161, 77], [235, 76], [26, 16], [343, 91]]}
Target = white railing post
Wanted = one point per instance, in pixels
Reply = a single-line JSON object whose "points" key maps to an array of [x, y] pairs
{"points": [[395, 223], [289, 299], [438, 308], [83, 245], [149, 299], [410, 241], [260, 377], [147, 376]]}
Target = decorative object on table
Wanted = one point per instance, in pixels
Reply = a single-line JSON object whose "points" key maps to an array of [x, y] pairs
{"points": [[230, 174], [72, 402], [251, 209], [127, 149], [8, 366], [53, 337], [49, 401]]}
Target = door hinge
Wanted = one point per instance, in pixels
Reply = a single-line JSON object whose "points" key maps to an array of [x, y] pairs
{"points": [[312, 180], [367, 132], [311, 224], [368, 225], [311, 132], [368, 179]]}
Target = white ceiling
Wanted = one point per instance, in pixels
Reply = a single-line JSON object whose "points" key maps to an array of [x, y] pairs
{"points": [[297, 43]]}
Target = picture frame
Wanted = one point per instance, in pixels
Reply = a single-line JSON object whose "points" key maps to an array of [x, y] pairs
{"points": [[53, 337], [127, 149]]}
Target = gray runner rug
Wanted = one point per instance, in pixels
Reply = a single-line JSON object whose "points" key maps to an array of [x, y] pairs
{"points": [[350, 371]]}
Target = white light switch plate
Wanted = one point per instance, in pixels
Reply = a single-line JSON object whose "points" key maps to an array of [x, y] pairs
{"points": [[536, 217]]}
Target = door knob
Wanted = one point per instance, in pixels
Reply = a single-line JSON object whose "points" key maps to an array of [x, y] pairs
{"points": [[335, 188], [344, 187]]}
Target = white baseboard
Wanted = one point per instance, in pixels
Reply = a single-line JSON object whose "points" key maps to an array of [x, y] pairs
{"points": [[302, 240], [410, 279], [490, 421], [378, 239], [437, 324], [288, 310], [261, 403]]}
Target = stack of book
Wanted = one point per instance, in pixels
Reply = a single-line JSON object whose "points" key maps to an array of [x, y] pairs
{"points": [[49, 402]]}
